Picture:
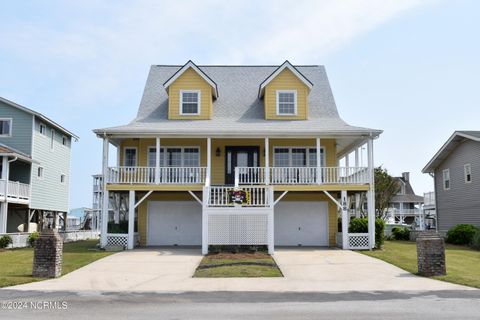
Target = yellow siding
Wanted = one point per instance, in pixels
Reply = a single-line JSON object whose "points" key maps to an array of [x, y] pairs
{"points": [[190, 80], [286, 80]]}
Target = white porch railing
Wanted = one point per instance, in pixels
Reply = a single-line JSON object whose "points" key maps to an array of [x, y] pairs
{"points": [[16, 190], [219, 196], [249, 175], [147, 175], [302, 175]]}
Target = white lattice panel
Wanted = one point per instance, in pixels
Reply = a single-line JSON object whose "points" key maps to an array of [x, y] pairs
{"points": [[117, 240], [238, 229], [358, 241]]}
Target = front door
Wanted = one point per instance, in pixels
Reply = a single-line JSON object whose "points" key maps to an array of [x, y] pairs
{"points": [[239, 157]]}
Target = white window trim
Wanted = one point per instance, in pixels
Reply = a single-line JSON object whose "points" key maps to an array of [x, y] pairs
{"points": [[199, 92], [40, 125], [43, 173], [467, 165], [322, 154], [11, 128], [125, 156], [182, 152], [294, 102], [444, 180], [64, 138], [65, 178]]}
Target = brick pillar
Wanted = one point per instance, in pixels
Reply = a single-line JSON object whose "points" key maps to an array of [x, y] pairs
{"points": [[47, 260], [430, 254]]}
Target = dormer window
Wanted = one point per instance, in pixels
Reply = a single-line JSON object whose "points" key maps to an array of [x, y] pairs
{"points": [[190, 102], [286, 102]]}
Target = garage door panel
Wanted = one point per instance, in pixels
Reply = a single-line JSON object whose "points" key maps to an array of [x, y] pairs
{"points": [[301, 223], [174, 223]]}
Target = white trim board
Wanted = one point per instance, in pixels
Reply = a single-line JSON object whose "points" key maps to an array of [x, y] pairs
{"points": [[202, 74]]}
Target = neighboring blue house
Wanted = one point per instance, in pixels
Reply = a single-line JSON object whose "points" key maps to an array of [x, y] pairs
{"points": [[35, 160]]}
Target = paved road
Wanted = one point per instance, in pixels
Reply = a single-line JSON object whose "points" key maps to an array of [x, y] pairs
{"points": [[243, 305]]}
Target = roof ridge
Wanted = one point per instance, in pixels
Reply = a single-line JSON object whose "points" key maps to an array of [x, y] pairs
{"points": [[238, 65]]}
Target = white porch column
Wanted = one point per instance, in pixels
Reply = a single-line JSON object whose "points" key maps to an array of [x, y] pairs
{"points": [[131, 219], [357, 205], [209, 162], [205, 221], [357, 158], [319, 169], [157, 161], [104, 213], [271, 223], [371, 196], [345, 219], [4, 205], [267, 161]]}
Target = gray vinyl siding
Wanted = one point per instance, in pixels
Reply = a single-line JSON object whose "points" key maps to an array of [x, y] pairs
{"points": [[21, 128], [460, 204], [49, 193]]}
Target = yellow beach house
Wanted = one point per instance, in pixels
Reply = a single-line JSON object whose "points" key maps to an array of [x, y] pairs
{"points": [[236, 155]]}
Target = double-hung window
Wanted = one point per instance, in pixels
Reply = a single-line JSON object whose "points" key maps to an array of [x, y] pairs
{"points": [[286, 102], [5, 127], [295, 164], [446, 179], [130, 157], [467, 170], [190, 102], [188, 158]]}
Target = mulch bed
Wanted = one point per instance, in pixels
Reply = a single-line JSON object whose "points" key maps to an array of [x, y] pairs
{"points": [[239, 256]]}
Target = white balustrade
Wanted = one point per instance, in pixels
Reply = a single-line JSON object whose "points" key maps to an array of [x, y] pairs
{"points": [[219, 196], [146, 175], [16, 190], [302, 175]]}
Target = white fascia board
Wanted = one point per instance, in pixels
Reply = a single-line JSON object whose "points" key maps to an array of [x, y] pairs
{"points": [[290, 67], [202, 74], [428, 168]]}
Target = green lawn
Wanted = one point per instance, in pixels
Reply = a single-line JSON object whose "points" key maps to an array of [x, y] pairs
{"points": [[226, 265], [16, 264], [463, 264]]}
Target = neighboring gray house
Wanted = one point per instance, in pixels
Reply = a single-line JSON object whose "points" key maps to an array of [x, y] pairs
{"points": [[406, 207], [456, 171], [35, 160]]}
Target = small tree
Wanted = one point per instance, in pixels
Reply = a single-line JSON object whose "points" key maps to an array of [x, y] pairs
{"points": [[386, 187]]}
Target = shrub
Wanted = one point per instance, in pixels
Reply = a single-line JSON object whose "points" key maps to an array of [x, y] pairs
{"points": [[32, 237], [5, 241], [360, 225], [461, 234], [476, 240], [379, 232], [400, 233]]}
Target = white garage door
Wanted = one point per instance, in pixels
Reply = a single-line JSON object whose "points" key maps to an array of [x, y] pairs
{"points": [[174, 223], [301, 223]]}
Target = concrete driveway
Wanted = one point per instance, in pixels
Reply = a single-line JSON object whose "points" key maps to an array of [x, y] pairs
{"points": [[304, 269]]}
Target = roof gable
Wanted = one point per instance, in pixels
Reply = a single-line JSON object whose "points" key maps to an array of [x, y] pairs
{"points": [[285, 65], [455, 139], [199, 71], [40, 116]]}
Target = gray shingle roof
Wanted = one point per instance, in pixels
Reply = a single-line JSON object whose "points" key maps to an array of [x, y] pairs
{"points": [[238, 110]]}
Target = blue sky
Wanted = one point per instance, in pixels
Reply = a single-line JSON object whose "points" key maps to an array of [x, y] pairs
{"points": [[408, 67]]}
